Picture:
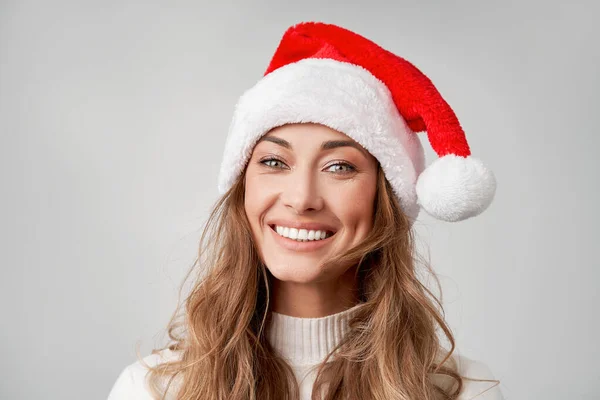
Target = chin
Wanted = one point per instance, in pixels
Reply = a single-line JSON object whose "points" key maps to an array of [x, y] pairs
{"points": [[301, 271]]}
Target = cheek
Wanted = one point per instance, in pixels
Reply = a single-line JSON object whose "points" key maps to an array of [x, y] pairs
{"points": [[256, 199], [353, 205], [251, 199]]}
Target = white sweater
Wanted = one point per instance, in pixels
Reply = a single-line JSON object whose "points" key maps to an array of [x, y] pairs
{"points": [[304, 343]]}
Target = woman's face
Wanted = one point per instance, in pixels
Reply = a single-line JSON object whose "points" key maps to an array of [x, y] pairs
{"points": [[310, 193]]}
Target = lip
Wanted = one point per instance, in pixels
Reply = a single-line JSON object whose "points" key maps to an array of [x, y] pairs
{"points": [[314, 226], [294, 245]]}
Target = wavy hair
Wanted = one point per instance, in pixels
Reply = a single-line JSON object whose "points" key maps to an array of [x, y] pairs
{"points": [[391, 350]]}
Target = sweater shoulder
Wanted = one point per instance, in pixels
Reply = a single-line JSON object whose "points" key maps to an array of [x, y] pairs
{"points": [[478, 380], [131, 384], [479, 383]]}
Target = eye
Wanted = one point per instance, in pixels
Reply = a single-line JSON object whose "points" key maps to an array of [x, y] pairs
{"points": [[273, 163], [341, 168]]}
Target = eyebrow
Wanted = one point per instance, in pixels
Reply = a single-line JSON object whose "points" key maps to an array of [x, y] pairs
{"points": [[327, 145]]}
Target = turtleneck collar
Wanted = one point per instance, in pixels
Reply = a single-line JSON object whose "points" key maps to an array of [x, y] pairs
{"points": [[306, 341]]}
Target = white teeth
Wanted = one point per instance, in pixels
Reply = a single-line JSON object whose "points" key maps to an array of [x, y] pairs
{"points": [[301, 235], [293, 233]]}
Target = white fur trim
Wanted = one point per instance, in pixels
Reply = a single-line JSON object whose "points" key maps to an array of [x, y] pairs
{"points": [[342, 96], [454, 188]]}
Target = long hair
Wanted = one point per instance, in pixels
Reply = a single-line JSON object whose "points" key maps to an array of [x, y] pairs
{"points": [[391, 350]]}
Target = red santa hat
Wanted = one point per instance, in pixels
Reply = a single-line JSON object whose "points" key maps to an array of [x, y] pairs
{"points": [[326, 74]]}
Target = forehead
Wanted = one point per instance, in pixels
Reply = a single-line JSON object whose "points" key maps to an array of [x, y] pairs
{"points": [[307, 130], [306, 134]]}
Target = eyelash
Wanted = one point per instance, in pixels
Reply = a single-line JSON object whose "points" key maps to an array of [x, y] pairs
{"points": [[351, 167]]}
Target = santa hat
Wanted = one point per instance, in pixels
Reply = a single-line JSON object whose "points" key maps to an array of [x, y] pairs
{"points": [[326, 74]]}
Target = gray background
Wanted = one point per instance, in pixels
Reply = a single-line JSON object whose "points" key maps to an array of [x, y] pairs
{"points": [[113, 117]]}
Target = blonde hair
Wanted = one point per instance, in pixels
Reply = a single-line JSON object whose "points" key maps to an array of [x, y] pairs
{"points": [[391, 350]]}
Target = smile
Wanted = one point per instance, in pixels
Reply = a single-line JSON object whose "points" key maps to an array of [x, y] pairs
{"points": [[299, 244], [301, 235]]}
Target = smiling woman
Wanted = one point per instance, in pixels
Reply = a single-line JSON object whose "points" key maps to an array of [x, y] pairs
{"points": [[296, 180], [311, 288]]}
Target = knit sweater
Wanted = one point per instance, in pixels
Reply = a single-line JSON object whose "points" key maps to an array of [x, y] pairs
{"points": [[304, 343]]}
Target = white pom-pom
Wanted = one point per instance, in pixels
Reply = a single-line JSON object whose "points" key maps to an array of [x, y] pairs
{"points": [[454, 188]]}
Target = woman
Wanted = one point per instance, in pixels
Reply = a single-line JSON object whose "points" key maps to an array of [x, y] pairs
{"points": [[310, 286]]}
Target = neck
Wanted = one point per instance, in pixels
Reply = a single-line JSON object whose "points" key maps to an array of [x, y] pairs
{"points": [[314, 299]]}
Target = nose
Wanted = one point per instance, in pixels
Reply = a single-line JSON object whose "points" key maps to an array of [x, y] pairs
{"points": [[301, 193]]}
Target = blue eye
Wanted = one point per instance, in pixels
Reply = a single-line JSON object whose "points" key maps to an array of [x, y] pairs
{"points": [[341, 167], [272, 163]]}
